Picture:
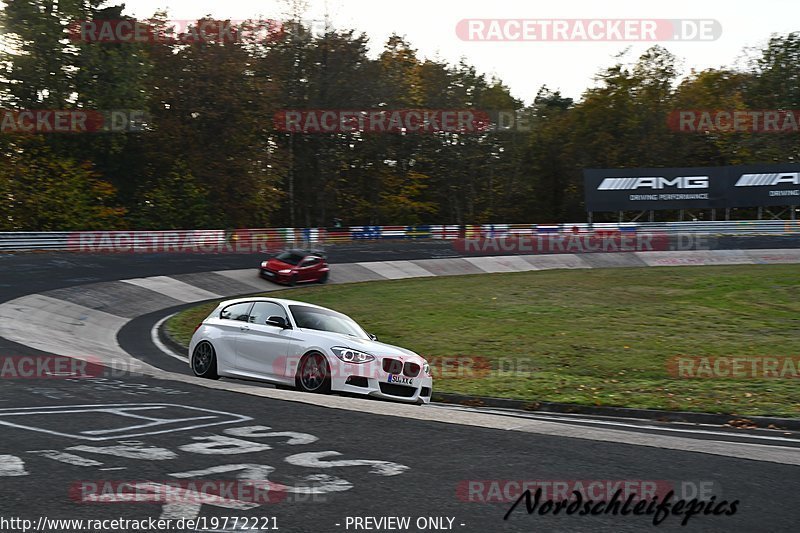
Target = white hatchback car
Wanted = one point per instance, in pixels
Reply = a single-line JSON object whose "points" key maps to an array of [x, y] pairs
{"points": [[301, 345]]}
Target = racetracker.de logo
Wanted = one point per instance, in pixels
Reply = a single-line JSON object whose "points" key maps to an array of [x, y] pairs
{"points": [[32, 121], [510, 490], [175, 31], [45, 367], [172, 491], [382, 121], [734, 121], [438, 367], [190, 241], [730, 367], [563, 244], [588, 30], [62, 367]]}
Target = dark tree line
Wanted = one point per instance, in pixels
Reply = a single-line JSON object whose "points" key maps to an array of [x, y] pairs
{"points": [[211, 155]]}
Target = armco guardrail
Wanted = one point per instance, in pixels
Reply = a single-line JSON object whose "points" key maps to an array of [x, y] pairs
{"points": [[265, 239], [210, 241]]}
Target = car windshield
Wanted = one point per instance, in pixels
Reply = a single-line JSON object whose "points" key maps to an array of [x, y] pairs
{"points": [[289, 257], [326, 320]]}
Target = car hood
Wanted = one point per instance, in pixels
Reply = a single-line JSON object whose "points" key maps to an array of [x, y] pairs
{"points": [[277, 264], [379, 349]]}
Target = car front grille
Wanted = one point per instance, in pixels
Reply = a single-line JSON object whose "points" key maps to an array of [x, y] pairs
{"points": [[411, 370], [394, 366], [397, 390]]}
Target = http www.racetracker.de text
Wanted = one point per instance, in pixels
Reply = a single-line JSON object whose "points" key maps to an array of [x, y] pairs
{"points": [[44, 524]]}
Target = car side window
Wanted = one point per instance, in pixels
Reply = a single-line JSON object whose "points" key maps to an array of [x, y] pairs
{"points": [[263, 310], [236, 311]]}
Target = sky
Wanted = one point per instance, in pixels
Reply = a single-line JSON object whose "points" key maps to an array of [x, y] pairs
{"points": [[430, 27]]}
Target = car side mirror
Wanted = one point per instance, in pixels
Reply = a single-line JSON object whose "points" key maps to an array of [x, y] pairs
{"points": [[372, 337], [277, 321]]}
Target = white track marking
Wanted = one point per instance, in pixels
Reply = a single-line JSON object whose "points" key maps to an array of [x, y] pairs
{"points": [[187, 503], [248, 471], [174, 288], [773, 454], [62, 328], [219, 445], [12, 466], [312, 460], [147, 453], [208, 418], [396, 269], [256, 432], [163, 347], [259, 474], [70, 338], [576, 418], [176, 511], [69, 458]]}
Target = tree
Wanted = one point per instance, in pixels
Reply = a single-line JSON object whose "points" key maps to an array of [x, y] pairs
{"points": [[208, 106], [43, 191]]}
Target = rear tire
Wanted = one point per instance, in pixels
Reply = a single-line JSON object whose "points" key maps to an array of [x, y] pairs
{"points": [[323, 278], [313, 374], [204, 361]]}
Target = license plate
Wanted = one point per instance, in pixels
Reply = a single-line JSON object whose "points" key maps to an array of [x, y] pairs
{"points": [[400, 380], [270, 274]]}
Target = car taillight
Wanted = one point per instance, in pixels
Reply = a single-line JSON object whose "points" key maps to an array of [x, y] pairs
{"points": [[197, 326]]}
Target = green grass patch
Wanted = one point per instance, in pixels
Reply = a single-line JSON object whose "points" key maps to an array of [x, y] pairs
{"points": [[591, 337]]}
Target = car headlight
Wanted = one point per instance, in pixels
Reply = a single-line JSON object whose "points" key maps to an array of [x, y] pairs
{"points": [[426, 368], [263, 264], [349, 355], [284, 271]]}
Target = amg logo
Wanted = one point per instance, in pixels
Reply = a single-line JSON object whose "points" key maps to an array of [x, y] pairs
{"points": [[761, 180], [654, 182]]}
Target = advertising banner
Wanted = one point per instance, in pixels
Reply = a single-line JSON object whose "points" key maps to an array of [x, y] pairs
{"points": [[658, 189]]}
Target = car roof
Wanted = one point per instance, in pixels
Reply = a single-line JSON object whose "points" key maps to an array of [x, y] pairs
{"points": [[267, 299], [306, 253]]}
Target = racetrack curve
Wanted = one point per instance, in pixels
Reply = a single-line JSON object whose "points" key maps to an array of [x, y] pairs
{"points": [[444, 449]]}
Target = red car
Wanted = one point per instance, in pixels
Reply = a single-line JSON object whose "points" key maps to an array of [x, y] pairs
{"points": [[296, 266]]}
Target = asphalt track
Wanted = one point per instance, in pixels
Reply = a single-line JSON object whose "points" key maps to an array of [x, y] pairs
{"points": [[384, 465]]}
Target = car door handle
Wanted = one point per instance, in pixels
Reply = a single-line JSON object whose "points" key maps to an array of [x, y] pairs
{"points": [[244, 328]]}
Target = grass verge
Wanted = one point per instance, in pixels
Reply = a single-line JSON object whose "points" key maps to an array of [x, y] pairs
{"points": [[591, 337]]}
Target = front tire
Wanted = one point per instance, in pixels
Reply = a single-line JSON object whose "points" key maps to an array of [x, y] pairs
{"points": [[314, 374], [204, 361], [293, 280]]}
